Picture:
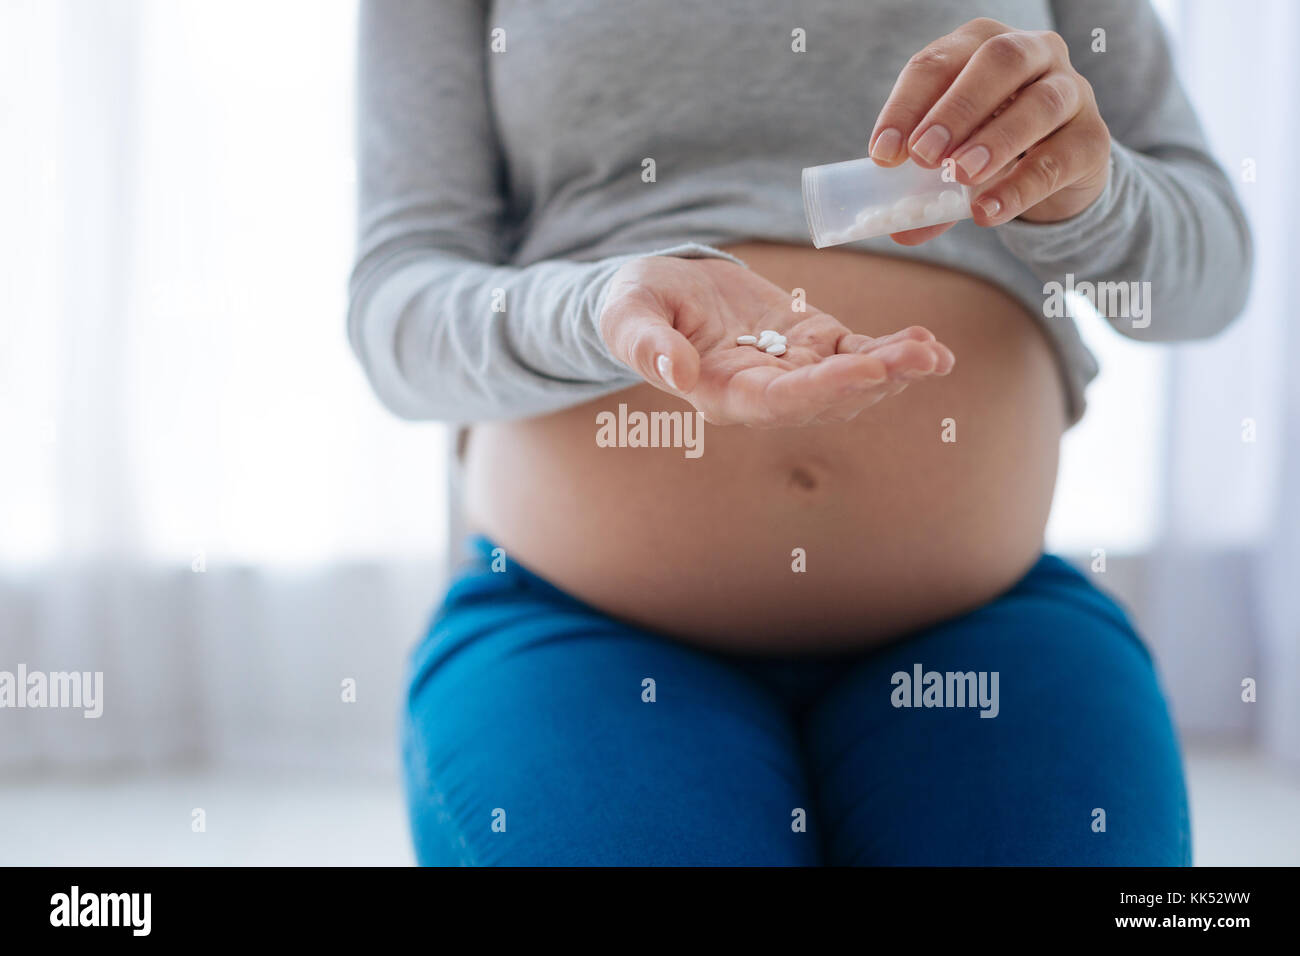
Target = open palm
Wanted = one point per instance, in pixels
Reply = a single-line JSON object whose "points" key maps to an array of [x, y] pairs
{"points": [[676, 321]]}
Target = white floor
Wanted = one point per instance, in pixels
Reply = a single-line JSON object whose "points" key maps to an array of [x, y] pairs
{"points": [[1244, 811], [250, 818]]}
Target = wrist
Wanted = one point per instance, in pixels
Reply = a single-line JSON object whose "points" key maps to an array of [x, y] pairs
{"points": [[1072, 200]]}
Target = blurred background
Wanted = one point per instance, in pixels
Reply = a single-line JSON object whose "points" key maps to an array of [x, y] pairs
{"points": [[200, 498]]}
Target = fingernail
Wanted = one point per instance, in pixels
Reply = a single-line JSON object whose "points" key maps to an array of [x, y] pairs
{"points": [[665, 366], [990, 206], [887, 145], [930, 146], [973, 160]]}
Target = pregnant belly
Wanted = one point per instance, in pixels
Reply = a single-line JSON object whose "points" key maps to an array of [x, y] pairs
{"points": [[819, 538]]}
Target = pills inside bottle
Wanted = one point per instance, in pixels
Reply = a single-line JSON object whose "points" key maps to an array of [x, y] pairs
{"points": [[855, 200]]}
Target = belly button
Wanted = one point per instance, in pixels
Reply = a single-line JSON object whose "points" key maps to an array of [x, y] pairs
{"points": [[801, 479]]}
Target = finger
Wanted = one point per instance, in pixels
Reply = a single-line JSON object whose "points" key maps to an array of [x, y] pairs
{"points": [[771, 395], [846, 403], [1042, 108], [852, 406], [905, 356], [927, 74], [853, 342], [914, 237], [849, 407], [907, 359], [646, 341], [754, 397], [804, 394], [997, 69], [1054, 163], [945, 361]]}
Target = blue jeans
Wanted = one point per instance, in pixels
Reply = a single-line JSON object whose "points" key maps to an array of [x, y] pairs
{"points": [[540, 731]]}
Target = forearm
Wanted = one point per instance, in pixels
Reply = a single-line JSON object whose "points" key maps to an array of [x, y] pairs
{"points": [[450, 339], [1168, 223]]}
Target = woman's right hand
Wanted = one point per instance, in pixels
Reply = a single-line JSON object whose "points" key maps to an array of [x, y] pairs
{"points": [[675, 322]]}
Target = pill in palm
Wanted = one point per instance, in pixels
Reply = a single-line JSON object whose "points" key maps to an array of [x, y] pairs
{"points": [[769, 340]]}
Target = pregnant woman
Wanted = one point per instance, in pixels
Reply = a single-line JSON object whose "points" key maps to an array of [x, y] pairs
{"points": [[831, 636]]}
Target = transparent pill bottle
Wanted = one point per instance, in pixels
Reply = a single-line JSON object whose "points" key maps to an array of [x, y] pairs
{"points": [[845, 202]]}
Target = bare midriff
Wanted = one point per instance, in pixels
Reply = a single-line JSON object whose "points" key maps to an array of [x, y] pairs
{"points": [[822, 538]]}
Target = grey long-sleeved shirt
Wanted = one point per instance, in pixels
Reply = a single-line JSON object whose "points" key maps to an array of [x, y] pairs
{"points": [[503, 148]]}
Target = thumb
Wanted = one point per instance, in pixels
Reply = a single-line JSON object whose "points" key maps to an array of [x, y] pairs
{"points": [[658, 352]]}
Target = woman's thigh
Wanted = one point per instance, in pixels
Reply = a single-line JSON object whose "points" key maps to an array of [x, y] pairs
{"points": [[1080, 765], [539, 732]]}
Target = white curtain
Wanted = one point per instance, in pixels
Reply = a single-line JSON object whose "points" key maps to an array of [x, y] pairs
{"points": [[1223, 604], [200, 498]]}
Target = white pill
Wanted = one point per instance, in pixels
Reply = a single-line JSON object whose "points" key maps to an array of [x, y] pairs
{"points": [[909, 207], [767, 337], [934, 213], [871, 222], [777, 349], [952, 202], [746, 340], [867, 214], [894, 222]]}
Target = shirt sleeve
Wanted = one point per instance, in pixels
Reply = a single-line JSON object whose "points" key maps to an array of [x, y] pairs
{"points": [[1168, 214], [444, 329]]}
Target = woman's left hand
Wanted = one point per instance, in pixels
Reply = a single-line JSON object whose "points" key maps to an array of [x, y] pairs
{"points": [[1020, 124]]}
